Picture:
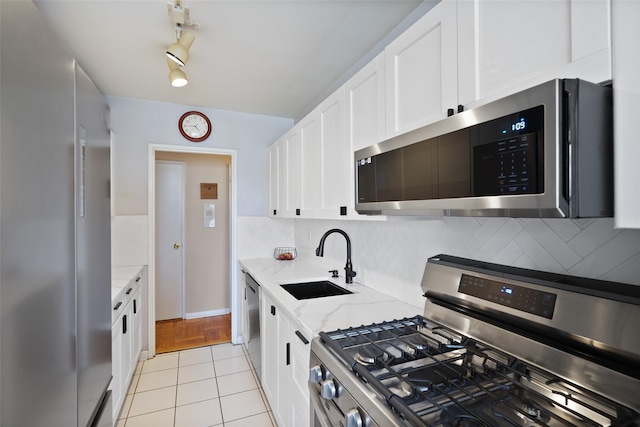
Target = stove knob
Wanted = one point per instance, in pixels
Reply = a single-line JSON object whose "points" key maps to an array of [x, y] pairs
{"points": [[353, 418], [315, 374], [330, 389]]}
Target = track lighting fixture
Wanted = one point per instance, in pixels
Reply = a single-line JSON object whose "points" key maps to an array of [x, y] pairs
{"points": [[179, 51], [177, 77]]}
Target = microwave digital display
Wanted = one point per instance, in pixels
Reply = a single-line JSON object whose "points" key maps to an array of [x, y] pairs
{"points": [[503, 156]]}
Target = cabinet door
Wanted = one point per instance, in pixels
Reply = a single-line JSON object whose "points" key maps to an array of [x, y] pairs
{"points": [[127, 343], [504, 47], [337, 179], [365, 97], [311, 176], [293, 172], [626, 107], [268, 336], [300, 352], [136, 327], [421, 71], [284, 173], [274, 184], [117, 392], [284, 368]]}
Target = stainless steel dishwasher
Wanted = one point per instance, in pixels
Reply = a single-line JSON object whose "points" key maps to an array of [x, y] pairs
{"points": [[254, 296]]}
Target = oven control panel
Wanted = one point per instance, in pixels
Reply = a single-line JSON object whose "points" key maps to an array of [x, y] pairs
{"points": [[517, 297]]}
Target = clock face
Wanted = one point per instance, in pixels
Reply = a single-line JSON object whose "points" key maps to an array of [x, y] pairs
{"points": [[194, 126]]}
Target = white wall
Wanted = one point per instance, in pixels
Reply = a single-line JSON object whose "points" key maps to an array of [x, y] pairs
{"points": [[137, 123], [390, 256]]}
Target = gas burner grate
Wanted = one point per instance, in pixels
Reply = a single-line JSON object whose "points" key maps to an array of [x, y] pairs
{"points": [[434, 376]]}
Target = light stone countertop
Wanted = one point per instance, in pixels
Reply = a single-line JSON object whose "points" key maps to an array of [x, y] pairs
{"points": [[120, 278], [363, 307]]}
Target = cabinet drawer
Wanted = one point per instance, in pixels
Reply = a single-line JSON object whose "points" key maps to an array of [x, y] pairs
{"points": [[125, 296]]}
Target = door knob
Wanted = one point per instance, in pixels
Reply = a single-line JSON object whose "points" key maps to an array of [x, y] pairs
{"points": [[176, 246]]}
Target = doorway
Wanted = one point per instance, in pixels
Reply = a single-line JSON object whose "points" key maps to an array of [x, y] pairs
{"points": [[210, 215]]}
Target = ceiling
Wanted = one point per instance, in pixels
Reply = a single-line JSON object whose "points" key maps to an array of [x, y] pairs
{"points": [[277, 58]]}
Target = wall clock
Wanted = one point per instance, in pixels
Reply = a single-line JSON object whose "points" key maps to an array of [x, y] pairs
{"points": [[194, 126]]}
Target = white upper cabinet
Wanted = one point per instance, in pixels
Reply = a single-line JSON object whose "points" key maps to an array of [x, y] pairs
{"points": [[507, 46], [285, 187], [469, 52], [336, 155], [294, 172], [626, 105], [461, 53], [365, 97], [421, 71], [311, 199], [273, 157]]}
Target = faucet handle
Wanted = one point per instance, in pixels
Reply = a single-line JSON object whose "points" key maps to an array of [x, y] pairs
{"points": [[334, 273]]}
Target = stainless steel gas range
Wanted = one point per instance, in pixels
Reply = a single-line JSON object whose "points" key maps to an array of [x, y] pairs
{"points": [[495, 346]]}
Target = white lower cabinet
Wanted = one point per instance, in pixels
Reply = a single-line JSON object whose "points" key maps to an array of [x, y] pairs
{"points": [[136, 328], [126, 340], [286, 361]]}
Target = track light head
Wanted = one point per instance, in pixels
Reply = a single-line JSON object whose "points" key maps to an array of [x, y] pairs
{"points": [[179, 51], [177, 77]]}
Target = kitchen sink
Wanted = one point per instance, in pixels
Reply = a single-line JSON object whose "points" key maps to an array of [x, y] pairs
{"points": [[317, 289]]}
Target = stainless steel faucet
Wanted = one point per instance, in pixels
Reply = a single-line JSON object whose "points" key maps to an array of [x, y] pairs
{"points": [[349, 273]]}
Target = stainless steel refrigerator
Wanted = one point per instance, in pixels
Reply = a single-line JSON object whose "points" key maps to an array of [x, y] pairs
{"points": [[55, 257]]}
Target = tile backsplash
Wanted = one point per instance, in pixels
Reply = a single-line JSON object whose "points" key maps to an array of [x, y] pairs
{"points": [[390, 255], [258, 236]]}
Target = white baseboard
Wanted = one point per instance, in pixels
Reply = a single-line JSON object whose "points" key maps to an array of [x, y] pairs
{"points": [[144, 355], [218, 312]]}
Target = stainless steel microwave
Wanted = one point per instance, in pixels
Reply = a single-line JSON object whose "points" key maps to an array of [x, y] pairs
{"points": [[543, 152]]}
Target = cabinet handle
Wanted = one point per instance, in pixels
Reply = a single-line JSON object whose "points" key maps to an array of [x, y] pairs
{"points": [[129, 291], [138, 279], [274, 212], [449, 112], [343, 210], [117, 306], [135, 307], [302, 337], [124, 324], [273, 310], [298, 212], [288, 354]]}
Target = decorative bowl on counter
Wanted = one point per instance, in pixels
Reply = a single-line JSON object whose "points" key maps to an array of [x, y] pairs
{"points": [[285, 253]]}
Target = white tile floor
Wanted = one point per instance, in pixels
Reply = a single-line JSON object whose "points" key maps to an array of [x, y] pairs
{"points": [[207, 386]]}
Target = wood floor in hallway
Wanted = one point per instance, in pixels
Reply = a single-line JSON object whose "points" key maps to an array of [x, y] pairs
{"points": [[182, 334]]}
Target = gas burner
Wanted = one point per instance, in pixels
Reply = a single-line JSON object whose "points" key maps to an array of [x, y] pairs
{"points": [[534, 411], [370, 355], [429, 378], [418, 345]]}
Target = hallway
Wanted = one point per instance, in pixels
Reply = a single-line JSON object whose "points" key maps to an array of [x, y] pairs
{"points": [[183, 334]]}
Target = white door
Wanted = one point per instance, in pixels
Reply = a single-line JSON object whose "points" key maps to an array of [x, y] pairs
{"points": [[169, 239]]}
